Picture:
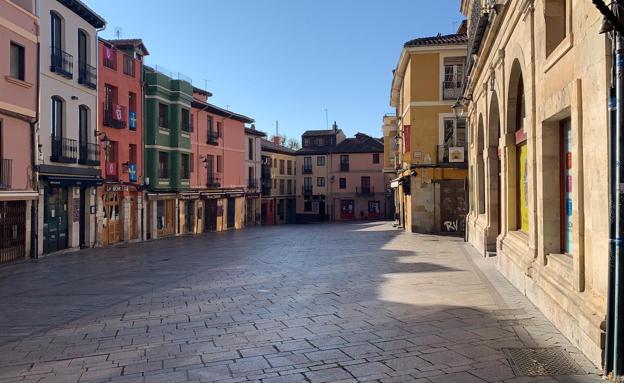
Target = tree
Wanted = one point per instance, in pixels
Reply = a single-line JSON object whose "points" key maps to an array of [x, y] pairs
{"points": [[291, 143]]}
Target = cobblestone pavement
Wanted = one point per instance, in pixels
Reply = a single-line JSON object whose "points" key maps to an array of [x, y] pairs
{"points": [[305, 303]]}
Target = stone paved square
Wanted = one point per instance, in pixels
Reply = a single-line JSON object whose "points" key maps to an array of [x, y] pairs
{"points": [[304, 303]]}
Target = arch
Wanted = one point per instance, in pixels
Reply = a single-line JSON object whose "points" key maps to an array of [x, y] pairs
{"points": [[480, 166], [84, 48], [517, 172], [57, 32], [494, 172]]}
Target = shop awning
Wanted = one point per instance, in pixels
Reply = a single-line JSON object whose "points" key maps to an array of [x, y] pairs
{"points": [[58, 181]]}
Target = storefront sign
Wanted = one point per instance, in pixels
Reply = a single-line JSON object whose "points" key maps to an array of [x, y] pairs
{"points": [[117, 188], [132, 172], [456, 154]]}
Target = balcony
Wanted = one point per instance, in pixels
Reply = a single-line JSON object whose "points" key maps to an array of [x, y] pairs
{"points": [[306, 169], [89, 154], [477, 24], [64, 150], [452, 90], [213, 138], [109, 58], [364, 191], [266, 186], [5, 173], [114, 116], [87, 75], [454, 156], [344, 166], [214, 180], [306, 190], [61, 62], [252, 183]]}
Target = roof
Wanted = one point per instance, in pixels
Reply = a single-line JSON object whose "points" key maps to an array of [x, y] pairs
{"points": [[81, 9], [131, 43], [202, 91], [324, 132], [315, 150], [454, 39], [269, 146], [362, 143], [255, 132], [210, 108]]}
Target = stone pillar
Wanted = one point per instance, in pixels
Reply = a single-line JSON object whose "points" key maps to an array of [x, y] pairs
{"points": [[28, 228], [154, 223], [125, 219]]}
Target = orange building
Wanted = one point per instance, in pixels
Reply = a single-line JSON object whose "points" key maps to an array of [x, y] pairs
{"points": [[120, 130]]}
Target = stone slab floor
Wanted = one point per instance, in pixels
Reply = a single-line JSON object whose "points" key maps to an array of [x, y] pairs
{"points": [[305, 303]]}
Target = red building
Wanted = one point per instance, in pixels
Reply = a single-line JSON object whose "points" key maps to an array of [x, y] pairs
{"points": [[120, 130], [216, 199]]}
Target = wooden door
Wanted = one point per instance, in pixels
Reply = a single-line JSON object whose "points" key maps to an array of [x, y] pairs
{"points": [[210, 215], [112, 218], [54, 219]]}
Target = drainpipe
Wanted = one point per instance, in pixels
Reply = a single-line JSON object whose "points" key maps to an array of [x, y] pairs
{"points": [[34, 207]]}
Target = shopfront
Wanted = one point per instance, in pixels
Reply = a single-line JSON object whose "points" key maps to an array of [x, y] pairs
{"points": [[119, 213]]}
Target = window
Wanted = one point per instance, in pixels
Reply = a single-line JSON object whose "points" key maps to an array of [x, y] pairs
{"points": [[522, 180], [289, 167], [250, 176], [307, 165], [219, 129], [163, 165], [274, 183], [320, 181], [209, 124], [307, 182], [83, 53], [186, 120], [453, 77], [250, 144], [281, 166], [566, 187], [365, 183], [342, 183], [219, 164], [83, 124], [185, 165], [556, 26], [128, 65], [57, 116], [192, 162], [375, 158], [320, 161], [281, 186], [163, 116], [306, 142], [344, 162], [275, 163], [132, 154], [56, 36], [374, 208], [289, 188], [17, 61]]}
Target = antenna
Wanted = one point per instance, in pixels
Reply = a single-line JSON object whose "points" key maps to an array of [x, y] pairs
{"points": [[277, 128], [227, 106], [118, 33], [326, 119], [206, 84]]}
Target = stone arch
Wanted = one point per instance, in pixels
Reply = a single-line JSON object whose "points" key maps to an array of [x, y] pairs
{"points": [[480, 166], [494, 172]]}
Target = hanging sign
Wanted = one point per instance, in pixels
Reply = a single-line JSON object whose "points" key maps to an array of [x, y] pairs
{"points": [[132, 172]]}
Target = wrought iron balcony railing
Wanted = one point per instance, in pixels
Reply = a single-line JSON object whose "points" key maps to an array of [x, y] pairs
{"points": [[61, 62], [64, 150], [214, 180], [115, 115], [306, 189], [213, 137], [365, 191], [344, 166], [89, 154], [451, 90], [305, 169], [87, 75], [252, 183], [6, 169]]}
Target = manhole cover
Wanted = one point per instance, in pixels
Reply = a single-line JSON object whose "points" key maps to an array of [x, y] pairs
{"points": [[542, 361]]}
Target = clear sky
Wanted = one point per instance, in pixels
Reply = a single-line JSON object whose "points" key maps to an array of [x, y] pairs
{"points": [[285, 60]]}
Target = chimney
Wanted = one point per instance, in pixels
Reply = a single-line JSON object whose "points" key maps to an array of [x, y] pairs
{"points": [[277, 140], [335, 127]]}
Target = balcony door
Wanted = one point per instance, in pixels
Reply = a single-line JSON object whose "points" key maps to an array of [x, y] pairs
{"points": [[82, 49], [57, 117], [56, 37]]}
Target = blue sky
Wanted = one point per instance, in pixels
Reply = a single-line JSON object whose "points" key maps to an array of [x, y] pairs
{"points": [[285, 60]]}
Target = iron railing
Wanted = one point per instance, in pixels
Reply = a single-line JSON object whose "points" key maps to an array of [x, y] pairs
{"points": [[306, 189], [344, 166], [252, 183], [128, 65], [89, 153], [64, 150], [110, 61], [213, 137], [61, 62], [214, 180], [364, 191], [451, 90], [6, 168], [115, 115], [87, 75], [305, 169]]}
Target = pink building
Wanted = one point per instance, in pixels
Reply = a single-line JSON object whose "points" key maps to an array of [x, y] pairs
{"points": [[357, 187], [18, 112], [218, 178]]}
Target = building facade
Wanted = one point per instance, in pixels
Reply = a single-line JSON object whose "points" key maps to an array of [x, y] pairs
{"points": [[167, 150], [431, 180], [356, 180], [390, 162], [313, 176], [279, 183], [537, 104], [120, 123], [69, 162], [18, 114], [253, 173], [218, 173]]}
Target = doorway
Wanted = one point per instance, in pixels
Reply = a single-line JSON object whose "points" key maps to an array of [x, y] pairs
{"points": [[231, 212], [112, 204], [54, 219], [346, 209], [211, 215]]}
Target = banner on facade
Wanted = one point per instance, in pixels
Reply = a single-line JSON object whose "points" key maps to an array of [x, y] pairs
{"points": [[132, 172], [111, 168], [133, 119]]}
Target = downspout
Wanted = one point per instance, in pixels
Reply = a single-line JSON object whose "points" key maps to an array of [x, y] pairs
{"points": [[34, 207]]}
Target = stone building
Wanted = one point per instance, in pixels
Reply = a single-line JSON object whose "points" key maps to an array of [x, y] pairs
{"points": [[536, 99], [19, 35], [279, 182]]}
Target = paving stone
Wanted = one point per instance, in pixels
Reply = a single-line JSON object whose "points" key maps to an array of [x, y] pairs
{"points": [[328, 375]]}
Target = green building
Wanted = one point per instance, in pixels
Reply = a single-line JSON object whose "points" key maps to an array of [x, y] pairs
{"points": [[167, 147]]}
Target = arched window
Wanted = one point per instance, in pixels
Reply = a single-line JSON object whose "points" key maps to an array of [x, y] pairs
{"points": [[83, 124], [57, 114], [522, 179], [56, 33]]}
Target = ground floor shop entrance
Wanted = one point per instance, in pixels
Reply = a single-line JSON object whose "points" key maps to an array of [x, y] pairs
{"points": [[55, 219], [347, 209], [165, 217], [267, 212], [210, 208], [231, 212], [111, 218], [12, 230]]}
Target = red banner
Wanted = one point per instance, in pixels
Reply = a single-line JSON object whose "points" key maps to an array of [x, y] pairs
{"points": [[111, 168]]}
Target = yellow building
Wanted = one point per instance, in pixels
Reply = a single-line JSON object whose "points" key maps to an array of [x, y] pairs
{"points": [[279, 183], [390, 140], [431, 141]]}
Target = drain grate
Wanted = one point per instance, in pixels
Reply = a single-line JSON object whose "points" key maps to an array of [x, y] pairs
{"points": [[542, 362]]}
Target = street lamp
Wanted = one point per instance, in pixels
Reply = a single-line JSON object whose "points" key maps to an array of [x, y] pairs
{"points": [[458, 109]]}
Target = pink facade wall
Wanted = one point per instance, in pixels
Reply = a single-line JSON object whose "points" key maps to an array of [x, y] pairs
{"points": [[360, 164], [18, 97], [231, 147]]}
